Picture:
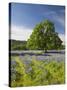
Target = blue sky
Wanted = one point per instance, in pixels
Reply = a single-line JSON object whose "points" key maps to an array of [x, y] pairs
{"points": [[24, 17]]}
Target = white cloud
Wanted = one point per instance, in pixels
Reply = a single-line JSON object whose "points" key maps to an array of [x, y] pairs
{"points": [[20, 33], [62, 37]]}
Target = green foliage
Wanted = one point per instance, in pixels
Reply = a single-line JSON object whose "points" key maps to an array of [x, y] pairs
{"points": [[62, 47], [36, 72], [18, 45], [19, 70], [44, 37]]}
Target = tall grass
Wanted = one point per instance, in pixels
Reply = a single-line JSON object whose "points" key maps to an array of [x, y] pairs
{"points": [[36, 72]]}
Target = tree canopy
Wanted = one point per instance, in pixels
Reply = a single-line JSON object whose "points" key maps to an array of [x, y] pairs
{"points": [[44, 37]]}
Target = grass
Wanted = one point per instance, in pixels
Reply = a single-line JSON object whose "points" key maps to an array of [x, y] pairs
{"points": [[36, 73]]}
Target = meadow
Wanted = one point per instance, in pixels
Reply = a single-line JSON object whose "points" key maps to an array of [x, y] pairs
{"points": [[37, 70]]}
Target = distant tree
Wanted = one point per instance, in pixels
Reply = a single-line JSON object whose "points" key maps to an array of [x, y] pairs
{"points": [[44, 37]]}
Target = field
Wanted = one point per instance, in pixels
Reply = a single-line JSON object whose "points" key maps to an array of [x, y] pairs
{"points": [[37, 69]]}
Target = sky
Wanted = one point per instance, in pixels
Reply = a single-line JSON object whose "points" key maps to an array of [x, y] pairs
{"points": [[24, 17]]}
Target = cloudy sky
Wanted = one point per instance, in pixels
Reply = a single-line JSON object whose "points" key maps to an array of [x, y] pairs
{"points": [[24, 17]]}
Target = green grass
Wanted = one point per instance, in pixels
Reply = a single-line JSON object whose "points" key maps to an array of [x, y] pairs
{"points": [[36, 73]]}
